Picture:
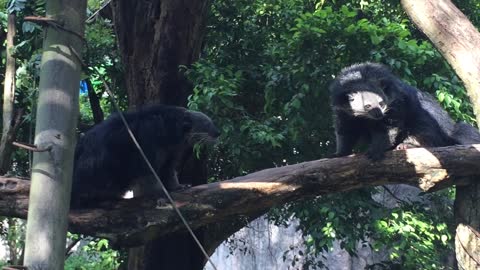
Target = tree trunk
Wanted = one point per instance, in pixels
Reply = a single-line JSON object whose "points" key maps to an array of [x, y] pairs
{"points": [[459, 42], [467, 236], [57, 115], [8, 131], [156, 38]]}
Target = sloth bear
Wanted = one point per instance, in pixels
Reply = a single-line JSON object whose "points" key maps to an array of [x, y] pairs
{"points": [[371, 104]]}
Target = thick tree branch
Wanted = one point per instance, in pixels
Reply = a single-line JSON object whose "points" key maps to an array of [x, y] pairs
{"points": [[132, 222], [455, 37]]}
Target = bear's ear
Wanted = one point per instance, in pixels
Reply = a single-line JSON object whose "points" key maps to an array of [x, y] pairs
{"points": [[384, 84], [187, 123], [391, 88]]}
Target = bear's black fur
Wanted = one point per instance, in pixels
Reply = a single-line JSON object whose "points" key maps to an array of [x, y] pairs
{"points": [[107, 163], [410, 115]]}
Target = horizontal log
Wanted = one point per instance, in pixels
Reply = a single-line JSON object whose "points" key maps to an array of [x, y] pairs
{"points": [[135, 221]]}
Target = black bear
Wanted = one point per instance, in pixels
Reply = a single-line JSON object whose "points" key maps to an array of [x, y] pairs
{"points": [[107, 163]]}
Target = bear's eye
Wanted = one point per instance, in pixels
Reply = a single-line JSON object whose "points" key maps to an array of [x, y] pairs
{"points": [[367, 107], [382, 104]]}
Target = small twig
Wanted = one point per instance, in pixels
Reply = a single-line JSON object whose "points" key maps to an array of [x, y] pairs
{"points": [[44, 21], [39, 20], [32, 147]]}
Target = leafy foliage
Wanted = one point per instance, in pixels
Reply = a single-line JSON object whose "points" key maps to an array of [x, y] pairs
{"points": [[471, 8], [415, 238], [16, 5], [94, 254]]}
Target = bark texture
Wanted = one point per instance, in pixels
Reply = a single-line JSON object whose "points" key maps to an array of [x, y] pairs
{"points": [[132, 222], [467, 236], [155, 38]]}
